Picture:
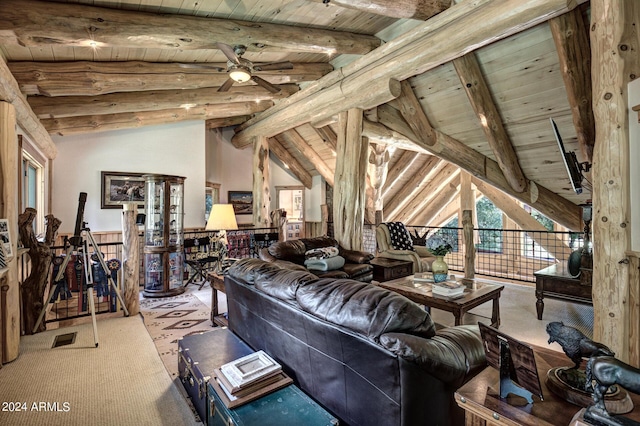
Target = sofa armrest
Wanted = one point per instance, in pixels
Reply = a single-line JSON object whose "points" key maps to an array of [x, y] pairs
{"points": [[356, 256], [453, 355], [422, 251], [266, 256]]}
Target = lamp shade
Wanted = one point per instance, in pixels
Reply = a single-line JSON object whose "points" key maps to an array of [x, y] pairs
{"points": [[221, 217]]}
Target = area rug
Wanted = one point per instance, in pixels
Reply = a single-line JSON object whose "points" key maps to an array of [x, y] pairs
{"points": [[169, 319]]}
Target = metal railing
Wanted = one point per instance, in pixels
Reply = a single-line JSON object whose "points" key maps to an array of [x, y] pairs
{"points": [[506, 253]]}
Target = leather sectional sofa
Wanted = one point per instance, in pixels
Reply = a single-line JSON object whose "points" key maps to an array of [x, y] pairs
{"points": [[356, 265], [368, 355]]}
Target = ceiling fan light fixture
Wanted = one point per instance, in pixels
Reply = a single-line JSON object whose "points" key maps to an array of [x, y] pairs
{"points": [[240, 74]]}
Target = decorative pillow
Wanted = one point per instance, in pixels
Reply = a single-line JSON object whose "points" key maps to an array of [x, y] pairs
{"points": [[321, 253], [400, 236], [330, 264]]}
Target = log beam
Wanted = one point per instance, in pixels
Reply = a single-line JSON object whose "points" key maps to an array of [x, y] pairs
{"points": [[398, 168], [290, 162], [26, 119], [477, 89], [128, 120], [432, 207], [464, 27], [116, 103], [572, 43], [328, 136], [614, 47], [35, 23], [427, 171], [84, 78], [301, 145], [409, 9], [214, 123]]}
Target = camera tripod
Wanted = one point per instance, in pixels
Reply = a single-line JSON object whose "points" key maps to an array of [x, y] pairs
{"points": [[79, 245]]}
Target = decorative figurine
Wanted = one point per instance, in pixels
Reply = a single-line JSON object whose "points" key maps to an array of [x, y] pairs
{"points": [[574, 343], [608, 371]]}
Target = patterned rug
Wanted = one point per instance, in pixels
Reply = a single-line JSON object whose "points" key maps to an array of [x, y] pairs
{"points": [[168, 319]]}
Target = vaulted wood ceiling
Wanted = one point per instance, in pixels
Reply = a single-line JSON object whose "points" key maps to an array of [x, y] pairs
{"points": [[472, 85]]}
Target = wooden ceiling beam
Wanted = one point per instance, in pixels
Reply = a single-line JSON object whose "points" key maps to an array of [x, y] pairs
{"points": [[437, 204], [309, 153], [427, 171], [464, 27], [428, 191], [27, 120], [479, 94], [128, 120], [329, 137], [290, 162], [115, 103], [36, 23], [85, 78], [409, 9], [398, 169], [214, 123], [542, 199], [571, 38]]}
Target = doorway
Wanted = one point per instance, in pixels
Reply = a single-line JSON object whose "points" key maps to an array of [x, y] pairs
{"points": [[291, 199]]}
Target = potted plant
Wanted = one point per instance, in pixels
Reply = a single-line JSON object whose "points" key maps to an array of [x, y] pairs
{"points": [[439, 247]]}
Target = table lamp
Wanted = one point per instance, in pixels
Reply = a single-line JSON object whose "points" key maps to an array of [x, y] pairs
{"points": [[221, 218]]}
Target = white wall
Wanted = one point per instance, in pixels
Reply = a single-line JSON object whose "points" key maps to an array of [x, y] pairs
{"points": [[634, 161], [172, 149]]}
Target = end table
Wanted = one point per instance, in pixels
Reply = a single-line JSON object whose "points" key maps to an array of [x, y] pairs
{"points": [[217, 284], [385, 269]]}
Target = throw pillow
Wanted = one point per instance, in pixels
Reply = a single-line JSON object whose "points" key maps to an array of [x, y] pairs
{"points": [[321, 253], [400, 237]]}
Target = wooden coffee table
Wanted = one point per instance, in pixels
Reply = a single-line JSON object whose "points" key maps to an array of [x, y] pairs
{"points": [[476, 294]]}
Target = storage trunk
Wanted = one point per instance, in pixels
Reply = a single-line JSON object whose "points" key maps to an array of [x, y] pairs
{"points": [[287, 406], [199, 355]]}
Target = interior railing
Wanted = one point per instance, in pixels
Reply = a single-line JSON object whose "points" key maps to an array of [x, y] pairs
{"points": [[506, 253]]}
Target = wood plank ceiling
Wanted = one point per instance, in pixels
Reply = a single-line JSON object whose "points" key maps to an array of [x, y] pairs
{"points": [[95, 65]]}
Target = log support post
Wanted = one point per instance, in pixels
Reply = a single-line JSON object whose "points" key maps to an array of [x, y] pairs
{"points": [[350, 176], [261, 194], [469, 246], [130, 259]]}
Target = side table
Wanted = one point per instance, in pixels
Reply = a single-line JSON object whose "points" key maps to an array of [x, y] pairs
{"points": [[385, 269], [217, 284]]}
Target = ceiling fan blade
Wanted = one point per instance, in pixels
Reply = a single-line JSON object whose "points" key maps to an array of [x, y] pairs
{"points": [[229, 52], [264, 83], [272, 66], [226, 85]]}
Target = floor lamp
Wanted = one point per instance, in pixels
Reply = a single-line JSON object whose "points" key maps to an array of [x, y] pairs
{"points": [[222, 218]]}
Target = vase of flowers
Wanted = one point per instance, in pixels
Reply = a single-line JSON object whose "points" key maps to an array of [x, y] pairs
{"points": [[439, 248]]}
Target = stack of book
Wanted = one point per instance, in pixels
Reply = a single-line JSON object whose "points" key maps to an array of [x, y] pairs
{"points": [[447, 288], [249, 378]]}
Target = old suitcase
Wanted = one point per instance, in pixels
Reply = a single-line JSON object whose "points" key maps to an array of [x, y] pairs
{"points": [[199, 355], [284, 407]]}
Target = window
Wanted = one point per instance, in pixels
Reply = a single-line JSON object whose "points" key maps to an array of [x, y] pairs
{"points": [[32, 191]]}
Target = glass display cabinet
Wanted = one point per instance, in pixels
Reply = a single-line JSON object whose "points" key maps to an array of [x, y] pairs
{"points": [[163, 235]]}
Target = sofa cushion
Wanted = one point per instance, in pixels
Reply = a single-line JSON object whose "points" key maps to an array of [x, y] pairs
{"points": [[364, 308], [283, 284], [248, 269], [400, 237]]}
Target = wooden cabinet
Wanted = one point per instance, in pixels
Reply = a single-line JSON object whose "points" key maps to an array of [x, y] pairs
{"points": [[385, 269], [163, 235]]}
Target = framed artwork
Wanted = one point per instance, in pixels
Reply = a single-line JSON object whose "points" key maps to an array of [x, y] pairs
{"points": [[121, 187], [5, 238], [242, 201]]}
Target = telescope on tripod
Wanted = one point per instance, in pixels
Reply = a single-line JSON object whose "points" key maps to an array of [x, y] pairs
{"points": [[78, 244]]}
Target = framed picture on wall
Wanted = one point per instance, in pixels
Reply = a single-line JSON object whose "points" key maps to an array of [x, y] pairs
{"points": [[121, 187], [242, 201]]}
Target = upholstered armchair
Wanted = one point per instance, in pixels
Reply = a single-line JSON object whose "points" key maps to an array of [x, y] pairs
{"points": [[420, 256]]}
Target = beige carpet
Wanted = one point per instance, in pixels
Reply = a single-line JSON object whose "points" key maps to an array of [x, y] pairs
{"points": [[168, 319], [121, 382]]}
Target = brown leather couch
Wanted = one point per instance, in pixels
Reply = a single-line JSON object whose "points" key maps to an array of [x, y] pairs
{"points": [[356, 265], [368, 355]]}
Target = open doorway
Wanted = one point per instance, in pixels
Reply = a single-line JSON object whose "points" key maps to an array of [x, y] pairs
{"points": [[291, 199]]}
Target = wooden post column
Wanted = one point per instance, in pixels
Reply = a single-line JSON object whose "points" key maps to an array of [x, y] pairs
{"points": [[614, 51], [130, 259], [261, 194], [377, 171], [9, 210], [349, 189], [469, 246]]}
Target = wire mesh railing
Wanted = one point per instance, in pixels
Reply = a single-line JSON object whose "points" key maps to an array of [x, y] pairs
{"points": [[505, 253]]}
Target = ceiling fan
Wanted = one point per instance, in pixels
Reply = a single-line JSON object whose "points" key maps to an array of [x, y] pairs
{"points": [[241, 70]]}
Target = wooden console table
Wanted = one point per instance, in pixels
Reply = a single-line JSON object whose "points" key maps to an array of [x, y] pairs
{"points": [[217, 284], [555, 283], [480, 398]]}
